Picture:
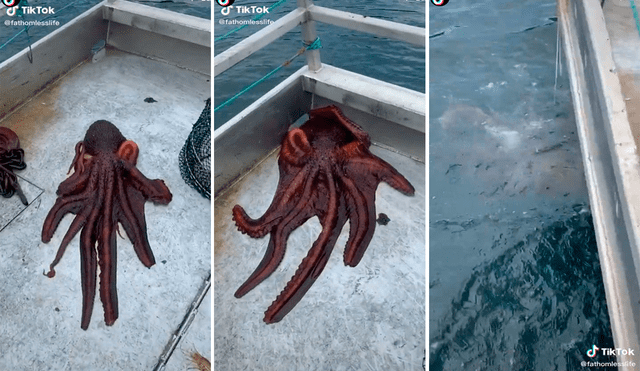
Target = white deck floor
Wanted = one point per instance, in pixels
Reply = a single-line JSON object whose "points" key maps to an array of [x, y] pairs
{"points": [[625, 43], [41, 316]]}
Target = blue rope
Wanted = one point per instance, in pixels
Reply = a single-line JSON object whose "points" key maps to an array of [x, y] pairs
{"points": [[316, 44], [635, 15], [256, 18], [11, 39], [26, 28]]}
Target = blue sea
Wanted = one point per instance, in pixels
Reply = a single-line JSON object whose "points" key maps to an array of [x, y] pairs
{"points": [[380, 58], [515, 280], [66, 10]]}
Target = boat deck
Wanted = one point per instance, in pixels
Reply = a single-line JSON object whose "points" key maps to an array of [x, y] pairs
{"points": [[370, 317], [41, 316], [625, 44]]}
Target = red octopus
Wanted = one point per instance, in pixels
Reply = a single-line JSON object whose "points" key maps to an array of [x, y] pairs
{"points": [[105, 189], [326, 169], [11, 159]]}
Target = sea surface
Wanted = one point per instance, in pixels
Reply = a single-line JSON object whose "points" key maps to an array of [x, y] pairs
{"points": [[66, 10], [515, 280], [384, 59]]}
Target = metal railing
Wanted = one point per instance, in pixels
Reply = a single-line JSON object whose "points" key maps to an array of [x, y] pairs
{"points": [[306, 15], [393, 116]]}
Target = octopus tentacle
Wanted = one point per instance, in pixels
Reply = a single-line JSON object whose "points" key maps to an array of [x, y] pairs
{"points": [[88, 255], [294, 153], [77, 224], [57, 212], [152, 189], [76, 183], [65, 205], [277, 243], [88, 268], [107, 249], [382, 170], [282, 204], [132, 206], [362, 217], [315, 261], [77, 164]]}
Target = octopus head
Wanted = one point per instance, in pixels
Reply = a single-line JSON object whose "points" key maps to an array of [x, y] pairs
{"points": [[104, 137]]}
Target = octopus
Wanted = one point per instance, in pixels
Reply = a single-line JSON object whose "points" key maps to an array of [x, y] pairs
{"points": [[11, 159], [326, 170], [105, 189]]}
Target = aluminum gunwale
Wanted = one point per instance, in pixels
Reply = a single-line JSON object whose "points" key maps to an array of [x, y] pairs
{"points": [[610, 161]]}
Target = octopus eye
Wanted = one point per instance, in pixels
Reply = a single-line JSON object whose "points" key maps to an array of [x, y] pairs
{"points": [[128, 151]]}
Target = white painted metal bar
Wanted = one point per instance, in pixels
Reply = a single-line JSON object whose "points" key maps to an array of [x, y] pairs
{"points": [[160, 21], [610, 161], [257, 41], [309, 35], [61, 50], [394, 103], [397, 31]]}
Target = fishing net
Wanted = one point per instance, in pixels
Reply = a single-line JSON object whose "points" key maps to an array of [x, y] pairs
{"points": [[195, 156]]}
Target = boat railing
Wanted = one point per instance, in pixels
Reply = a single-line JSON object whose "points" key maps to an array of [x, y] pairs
{"points": [[305, 16], [179, 39], [394, 116], [610, 161]]}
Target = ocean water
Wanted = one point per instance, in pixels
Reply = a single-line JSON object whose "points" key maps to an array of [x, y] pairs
{"points": [[66, 10], [515, 280], [380, 58]]}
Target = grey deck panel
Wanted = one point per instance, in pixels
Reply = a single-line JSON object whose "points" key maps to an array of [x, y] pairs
{"points": [[368, 317], [41, 316]]}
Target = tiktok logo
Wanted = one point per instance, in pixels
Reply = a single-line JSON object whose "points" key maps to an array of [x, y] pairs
{"points": [[592, 352], [10, 3]]}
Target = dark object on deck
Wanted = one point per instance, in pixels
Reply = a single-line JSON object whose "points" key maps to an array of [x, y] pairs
{"points": [[11, 159], [383, 219]]}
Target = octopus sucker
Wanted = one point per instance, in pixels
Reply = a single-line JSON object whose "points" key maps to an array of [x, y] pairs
{"points": [[11, 159], [326, 170], [105, 190]]}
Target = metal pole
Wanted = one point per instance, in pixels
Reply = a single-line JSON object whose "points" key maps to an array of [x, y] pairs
{"points": [[309, 35]]}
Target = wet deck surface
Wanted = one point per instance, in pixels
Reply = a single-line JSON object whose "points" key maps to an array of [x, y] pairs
{"points": [[625, 43], [41, 316], [370, 317]]}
